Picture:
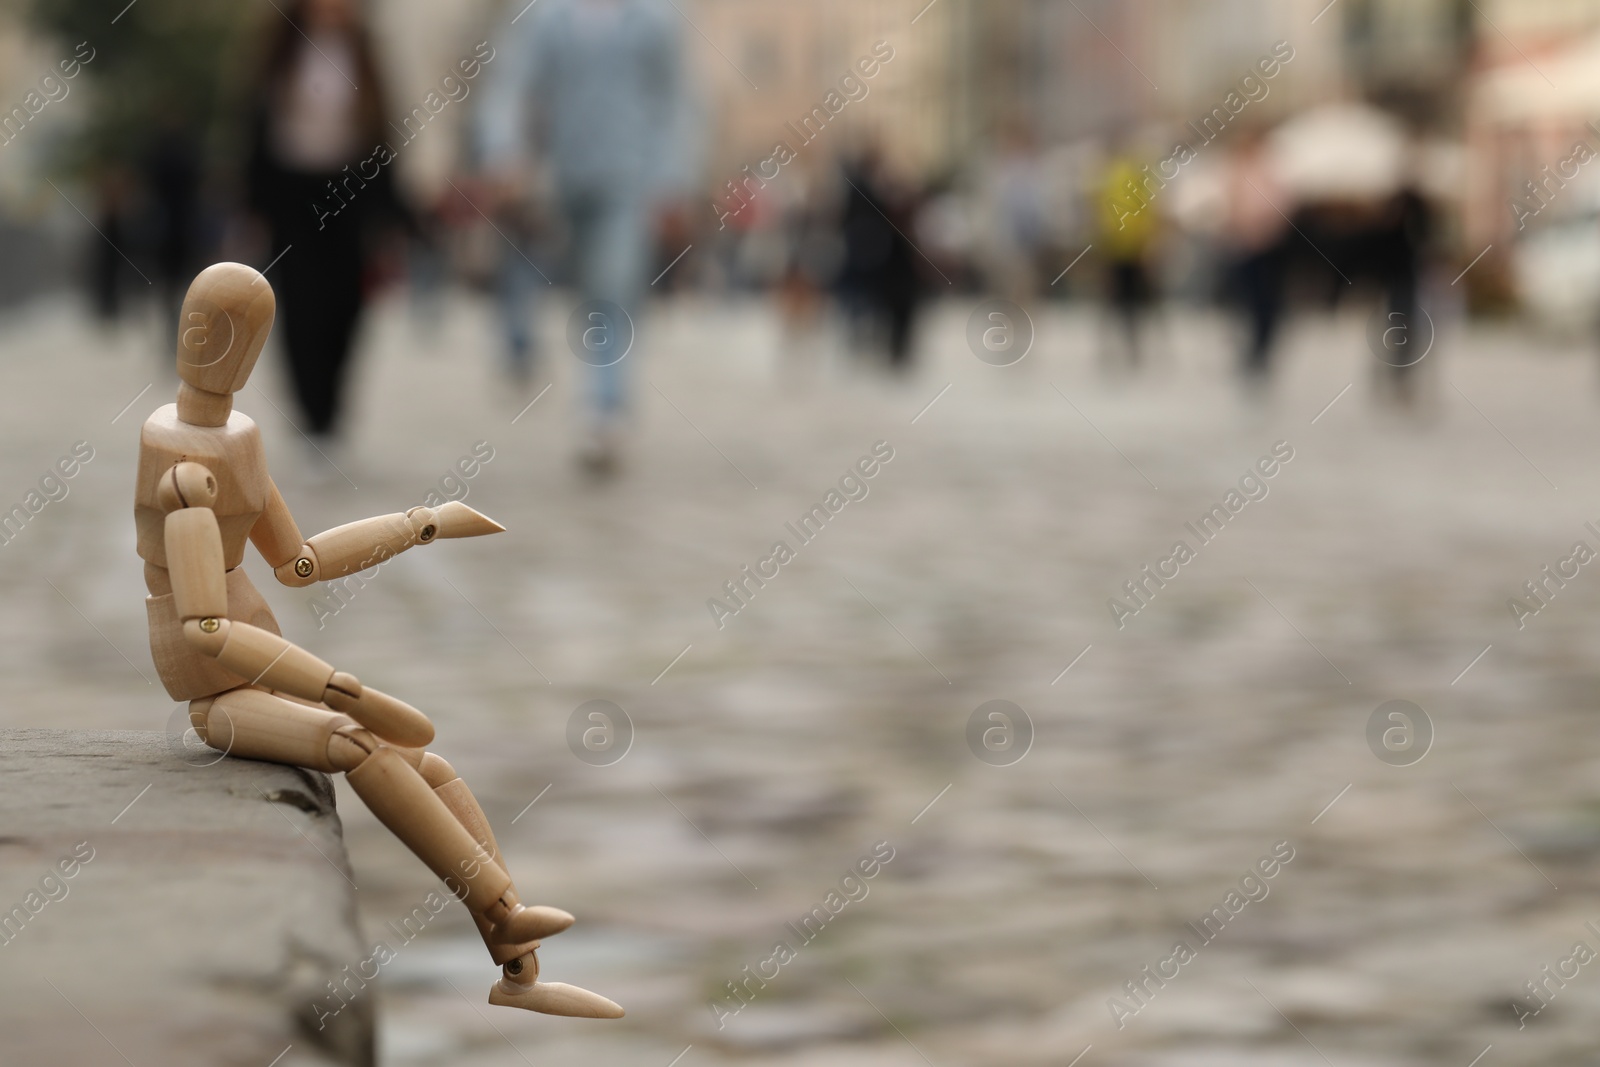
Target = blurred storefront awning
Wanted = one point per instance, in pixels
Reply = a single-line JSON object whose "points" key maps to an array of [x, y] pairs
{"points": [[1563, 85]]}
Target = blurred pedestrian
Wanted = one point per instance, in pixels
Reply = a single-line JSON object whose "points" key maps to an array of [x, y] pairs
{"points": [[880, 280], [1254, 239], [172, 179], [1405, 240], [1011, 229], [604, 84], [107, 275], [1129, 227], [809, 262], [318, 107], [519, 283]]}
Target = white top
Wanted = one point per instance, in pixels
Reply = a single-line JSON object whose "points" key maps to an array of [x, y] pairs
{"points": [[315, 126]]}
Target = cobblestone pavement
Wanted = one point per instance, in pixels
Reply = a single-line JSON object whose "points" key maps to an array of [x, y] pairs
{"points": [[770, 756]]}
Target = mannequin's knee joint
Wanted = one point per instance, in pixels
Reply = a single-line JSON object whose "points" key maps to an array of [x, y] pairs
{"points": [[349, 746], [436, 771]]}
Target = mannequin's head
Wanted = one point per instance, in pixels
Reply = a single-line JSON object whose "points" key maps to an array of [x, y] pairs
{"points": [[225, 320]]}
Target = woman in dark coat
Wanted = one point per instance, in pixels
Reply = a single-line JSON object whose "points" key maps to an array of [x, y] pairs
{"points": [[318, 179]]}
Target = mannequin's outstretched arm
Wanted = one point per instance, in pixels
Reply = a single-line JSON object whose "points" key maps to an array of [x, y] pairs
{"points": [[358, 545]]}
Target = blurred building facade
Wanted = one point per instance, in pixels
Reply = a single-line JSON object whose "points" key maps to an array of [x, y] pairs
{"points": [[37, 229], [767, 64], [966, 69], [1532, 193], [1509, 77], [1537, 22], [1079, 70], [1412, 54]]}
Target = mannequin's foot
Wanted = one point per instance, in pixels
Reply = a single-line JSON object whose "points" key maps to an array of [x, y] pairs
{"points": [[530, 924], [519, 987], [553, 998], [600, 450]]}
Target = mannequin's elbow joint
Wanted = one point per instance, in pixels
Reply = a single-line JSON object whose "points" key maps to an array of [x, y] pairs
{"points": [[300, 571], [207, 635]]}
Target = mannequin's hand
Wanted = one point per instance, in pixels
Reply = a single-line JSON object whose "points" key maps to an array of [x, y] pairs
{"points": [[452, 519], [393, 720]]}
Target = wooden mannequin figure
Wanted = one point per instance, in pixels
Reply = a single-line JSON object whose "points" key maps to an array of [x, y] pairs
{"points": [[203, 489]]}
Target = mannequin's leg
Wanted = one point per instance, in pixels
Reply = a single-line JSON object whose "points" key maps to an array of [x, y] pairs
{"points": [[441, 823], [258, 724], [453, 791]]}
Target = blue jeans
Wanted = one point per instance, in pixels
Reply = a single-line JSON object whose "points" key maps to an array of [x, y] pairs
{"points": [[610, 241], [517, 286]]}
